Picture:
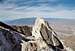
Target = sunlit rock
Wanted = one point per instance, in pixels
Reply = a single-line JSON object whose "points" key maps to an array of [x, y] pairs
{"points": [[42, 38]]}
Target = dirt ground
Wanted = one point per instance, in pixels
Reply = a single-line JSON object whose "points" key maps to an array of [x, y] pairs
{"points": [[66, 33], [70, 42]]}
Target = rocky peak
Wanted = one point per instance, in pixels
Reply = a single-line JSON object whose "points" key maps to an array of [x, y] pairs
{"points": [[43, 38], [42, 30]]}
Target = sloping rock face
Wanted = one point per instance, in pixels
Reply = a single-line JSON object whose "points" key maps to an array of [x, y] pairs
{"points": [[26, 30], [9, 41], [42, 38], [13, 40], [10, 38], [42, 31]]}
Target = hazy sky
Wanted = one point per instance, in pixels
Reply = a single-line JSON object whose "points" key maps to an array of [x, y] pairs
{"points": [[14, 9]]}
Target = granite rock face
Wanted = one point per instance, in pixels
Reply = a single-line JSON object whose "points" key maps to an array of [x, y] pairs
{"points": [[42, 31], [10, 38], [40, 37], [26, 30], [9, 41]]}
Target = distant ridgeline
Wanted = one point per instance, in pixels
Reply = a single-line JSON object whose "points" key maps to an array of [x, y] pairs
{"points": [[30, 21], [40, 37]]}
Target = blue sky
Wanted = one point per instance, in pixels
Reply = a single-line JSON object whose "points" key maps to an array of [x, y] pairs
{"points": [[15, 9]]}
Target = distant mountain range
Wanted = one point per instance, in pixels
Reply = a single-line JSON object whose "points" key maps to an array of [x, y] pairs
{"points": [[30, 21], [22, 21]]}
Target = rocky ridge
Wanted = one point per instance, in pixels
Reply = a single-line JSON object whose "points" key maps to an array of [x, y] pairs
{"points": [[41, 38]]}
